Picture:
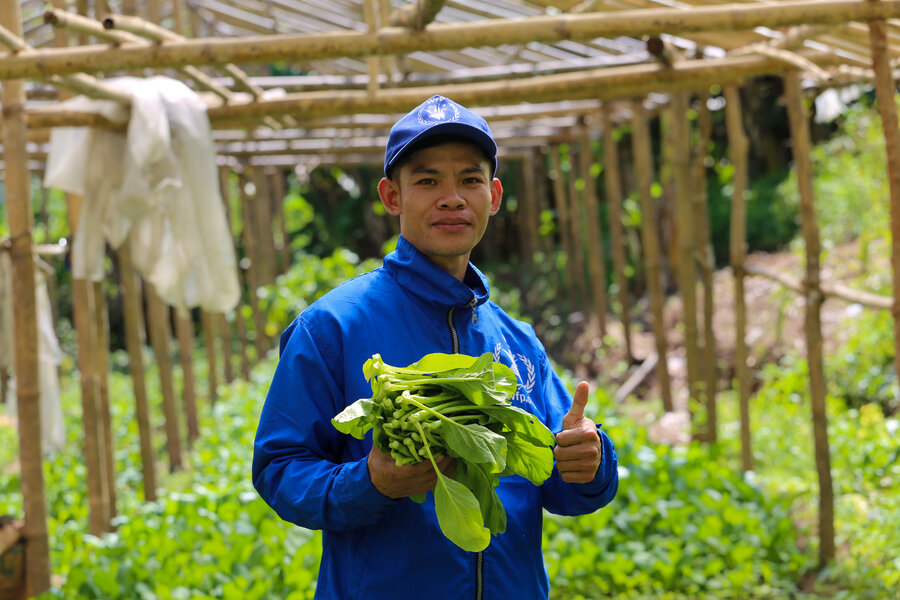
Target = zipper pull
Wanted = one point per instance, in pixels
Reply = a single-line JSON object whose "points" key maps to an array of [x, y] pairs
{"points": [[473, 305]]}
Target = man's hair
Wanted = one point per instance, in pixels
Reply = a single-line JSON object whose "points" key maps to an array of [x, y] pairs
{"points": [[431, 142]]}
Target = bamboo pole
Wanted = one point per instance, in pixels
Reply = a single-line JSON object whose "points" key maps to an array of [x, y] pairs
{"points": [[687, 242], [596, 261], [527, 213], [595, 84], [265, 239], [561, 204], [283, 250], [799, 125], [17, 186], [100, 356], [576, 219], [160, 339], [134, 342], [643, 169], [707, 263], [224, 329], [613, 184], [184, 332], [249, 233], [829, 289], [208, 322], [885, 89], [739, 147], [490, 32], [94, 452]]}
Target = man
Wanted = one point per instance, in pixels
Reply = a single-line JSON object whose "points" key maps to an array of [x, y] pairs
{"points": [[439, 168]]}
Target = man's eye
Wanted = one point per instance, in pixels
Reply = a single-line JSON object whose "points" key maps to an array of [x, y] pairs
{"points": [[425, 181]]}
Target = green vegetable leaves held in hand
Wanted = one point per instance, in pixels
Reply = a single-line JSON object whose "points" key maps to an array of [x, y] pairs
{"points": [[458, 405]]}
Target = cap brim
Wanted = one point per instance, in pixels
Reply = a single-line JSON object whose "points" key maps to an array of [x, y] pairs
{"points": [[466, 132]]}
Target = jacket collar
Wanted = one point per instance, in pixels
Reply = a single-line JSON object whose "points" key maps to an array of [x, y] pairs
{"points": [[421, 277]]}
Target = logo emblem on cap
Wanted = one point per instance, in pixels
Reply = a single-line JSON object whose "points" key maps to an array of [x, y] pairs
{"points": [[438, 110]]}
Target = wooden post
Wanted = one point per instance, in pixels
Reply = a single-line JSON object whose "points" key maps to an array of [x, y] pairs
{"points": [[643, 169], [739, 148], [262, 218], [596, 261], [160, 339], [134, 342], [576, 219], [208, 322], [613, 184], [184, 331], [21, 223], [224, 329], [687, 242], [526, 214], [799, 124], [283, 248], [249, 231], [561, 204], [94, 440], [101, 372], [707, 264], [885, 89]]}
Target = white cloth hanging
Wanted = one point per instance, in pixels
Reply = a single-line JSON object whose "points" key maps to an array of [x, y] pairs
{"points": [[159, 183], [53, 436]]}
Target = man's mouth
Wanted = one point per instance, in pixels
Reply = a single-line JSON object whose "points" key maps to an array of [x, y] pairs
{"points": [[451, 225]]}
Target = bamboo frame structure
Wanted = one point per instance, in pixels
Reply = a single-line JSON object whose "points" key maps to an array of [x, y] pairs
{"points": [[739, 145], [184, 333], [885, 89], [134, 343], [596, 266], [18, 195], [398, 40], [686, 242], [812, 323], [613, 185], [705, 262], [643, 168]]}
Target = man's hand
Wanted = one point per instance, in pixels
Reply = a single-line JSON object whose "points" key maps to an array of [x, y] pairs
{"points": [[578, 448], [408, 480]]}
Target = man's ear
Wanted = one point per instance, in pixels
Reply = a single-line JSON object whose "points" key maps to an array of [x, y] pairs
{"points": [[496, 195], [389, 192]]}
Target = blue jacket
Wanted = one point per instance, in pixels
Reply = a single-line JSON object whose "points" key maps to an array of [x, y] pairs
{"points": [[375, 547]]}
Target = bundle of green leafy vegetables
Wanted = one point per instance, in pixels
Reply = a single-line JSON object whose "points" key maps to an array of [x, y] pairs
{"points": [[459, 405]]}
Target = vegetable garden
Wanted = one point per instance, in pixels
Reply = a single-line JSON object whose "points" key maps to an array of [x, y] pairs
{"points": [[625, 195]]}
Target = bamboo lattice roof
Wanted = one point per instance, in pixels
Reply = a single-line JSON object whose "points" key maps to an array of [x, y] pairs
{"points": [[326, 78]]}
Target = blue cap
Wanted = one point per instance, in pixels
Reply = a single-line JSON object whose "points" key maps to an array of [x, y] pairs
{"points": [[437, 116]]}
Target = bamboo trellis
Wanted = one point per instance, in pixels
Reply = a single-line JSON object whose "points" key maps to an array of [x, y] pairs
{"points": [[382, 66]]}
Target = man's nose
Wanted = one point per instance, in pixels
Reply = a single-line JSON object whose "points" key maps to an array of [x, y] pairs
{"points": [[451, 198]]}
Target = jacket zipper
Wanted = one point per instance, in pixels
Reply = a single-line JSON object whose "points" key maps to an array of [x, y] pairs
{"points": [[454, 341]]}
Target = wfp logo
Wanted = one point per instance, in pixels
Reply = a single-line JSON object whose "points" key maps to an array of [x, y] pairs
{"points": [[438, 110], [526, 383]]}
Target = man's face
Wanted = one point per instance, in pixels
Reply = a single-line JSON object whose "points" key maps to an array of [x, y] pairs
{"points": [[444, 196]]}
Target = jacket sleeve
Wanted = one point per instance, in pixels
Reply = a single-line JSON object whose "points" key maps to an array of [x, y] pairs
{"points": [[307, 471], [571, 499]]}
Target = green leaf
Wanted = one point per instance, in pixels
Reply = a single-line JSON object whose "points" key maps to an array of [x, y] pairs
{"points": [[475, 443], [354, 420], [482, 483], [459, 515], [534, 463], [525, 424]]}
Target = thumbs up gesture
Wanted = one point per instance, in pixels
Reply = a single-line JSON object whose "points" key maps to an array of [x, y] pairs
{"points": [[578, 448]]}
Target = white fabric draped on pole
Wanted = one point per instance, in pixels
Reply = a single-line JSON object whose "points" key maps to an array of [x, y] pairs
{"points": [[156, 185]]}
